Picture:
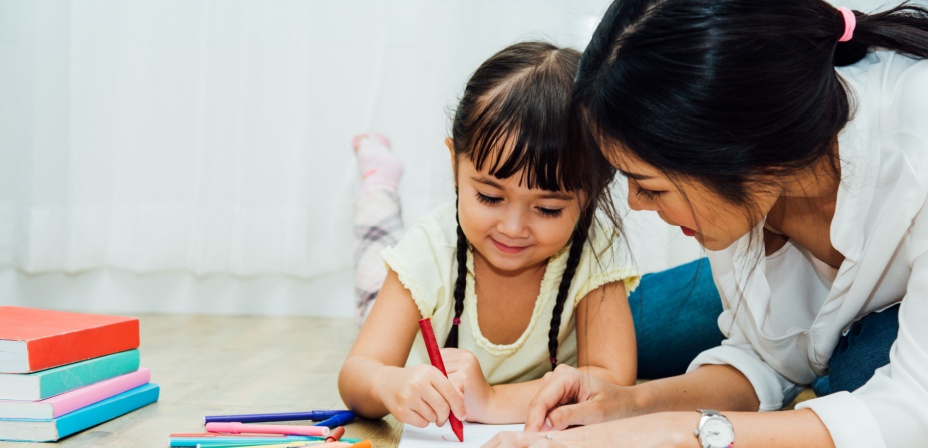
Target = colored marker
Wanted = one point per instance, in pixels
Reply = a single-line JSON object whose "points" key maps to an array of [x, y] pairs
{"points": [[431, 345], [212, 439], [336, 434], [290, 430], [361, 444], [341, 419], [276, 417]]}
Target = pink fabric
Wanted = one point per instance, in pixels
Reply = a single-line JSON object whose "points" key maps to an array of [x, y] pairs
{"points": [[850, 21]]}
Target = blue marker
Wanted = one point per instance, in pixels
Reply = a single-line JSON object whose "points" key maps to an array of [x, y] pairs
{"points": [[341, 419]]}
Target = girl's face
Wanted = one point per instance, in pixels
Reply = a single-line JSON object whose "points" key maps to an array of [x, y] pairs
{"points": [[511, 226], [698, 211]]}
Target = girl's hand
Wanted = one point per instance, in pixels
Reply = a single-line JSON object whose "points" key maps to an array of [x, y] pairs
{"points": [[668, 429], [420, 395], [570, 397], [465, 374]]}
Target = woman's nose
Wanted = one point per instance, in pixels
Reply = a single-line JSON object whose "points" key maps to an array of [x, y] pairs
{"points": [[635, 203]]}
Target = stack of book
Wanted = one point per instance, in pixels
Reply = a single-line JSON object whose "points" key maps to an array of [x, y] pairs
{"points": [[63, 372]]}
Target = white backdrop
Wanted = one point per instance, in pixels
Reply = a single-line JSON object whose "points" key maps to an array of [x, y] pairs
{"points": [[193, 156]]}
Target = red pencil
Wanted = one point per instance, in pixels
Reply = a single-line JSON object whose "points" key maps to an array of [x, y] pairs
{"points": [[428, 335]]}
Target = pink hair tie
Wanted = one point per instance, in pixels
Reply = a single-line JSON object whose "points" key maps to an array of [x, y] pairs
{"points": [[850, 21], [553, 361], [457, 321]]}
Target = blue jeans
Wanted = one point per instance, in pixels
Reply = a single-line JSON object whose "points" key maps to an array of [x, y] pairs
{"points": [[862, 350], [676, 317]]}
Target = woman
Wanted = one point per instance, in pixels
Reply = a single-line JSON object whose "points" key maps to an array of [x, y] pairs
{"points": [[796, 153]]}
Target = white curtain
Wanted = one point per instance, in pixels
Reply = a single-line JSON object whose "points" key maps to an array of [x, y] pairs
{"points": [[166, 144]]}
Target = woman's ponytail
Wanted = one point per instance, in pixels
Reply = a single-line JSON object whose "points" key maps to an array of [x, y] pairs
{"points": [[903, 29]]}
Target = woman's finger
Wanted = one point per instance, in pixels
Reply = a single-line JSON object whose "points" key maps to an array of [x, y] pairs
{"points": [[561, 388]]}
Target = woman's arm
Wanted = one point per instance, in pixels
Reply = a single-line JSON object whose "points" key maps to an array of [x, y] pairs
{"points": [[570, 397], [373, 381], [626, 412], [788, 429]]}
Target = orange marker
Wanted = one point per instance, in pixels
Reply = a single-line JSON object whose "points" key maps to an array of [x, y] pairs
{"points": [[361, 444], [336, 434]]}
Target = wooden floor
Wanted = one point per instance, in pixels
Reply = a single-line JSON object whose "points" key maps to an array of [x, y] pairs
{"points": [[209, 365]]}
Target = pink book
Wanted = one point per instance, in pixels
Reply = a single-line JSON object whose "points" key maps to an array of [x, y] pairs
{"points": [[54, 407]]}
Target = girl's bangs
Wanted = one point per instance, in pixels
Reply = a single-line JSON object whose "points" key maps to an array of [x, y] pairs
{"points": [[530, 137]]}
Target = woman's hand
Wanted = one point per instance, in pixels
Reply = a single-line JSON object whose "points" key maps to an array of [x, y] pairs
{"points": [[419, 395], [465, 374], [668, 429], [570, 397]]}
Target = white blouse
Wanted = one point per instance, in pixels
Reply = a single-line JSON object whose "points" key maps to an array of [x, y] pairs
{"points": [[783, 314]]}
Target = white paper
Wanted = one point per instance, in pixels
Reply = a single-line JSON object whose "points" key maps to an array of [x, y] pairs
{"points": [[475, 435]]}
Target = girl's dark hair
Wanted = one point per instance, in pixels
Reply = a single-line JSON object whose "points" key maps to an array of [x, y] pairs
{"points": [[515, 119], [727, 91]]}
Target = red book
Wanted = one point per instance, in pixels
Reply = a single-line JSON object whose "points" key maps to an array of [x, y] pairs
{"points": [[32, 339]]}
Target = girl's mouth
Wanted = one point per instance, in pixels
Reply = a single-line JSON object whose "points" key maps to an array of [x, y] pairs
{"points": [[507, 249], [688, 231]]}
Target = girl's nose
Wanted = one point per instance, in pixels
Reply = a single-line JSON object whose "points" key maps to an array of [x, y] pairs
{"points": [[512, 223]]}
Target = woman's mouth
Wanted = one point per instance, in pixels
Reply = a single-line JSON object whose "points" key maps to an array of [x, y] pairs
{"points": [[688, 231], [507, 249]]}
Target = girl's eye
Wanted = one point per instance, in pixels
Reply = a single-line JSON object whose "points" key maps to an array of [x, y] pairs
{"points": [[550, 212], [648, 195], [489, 200]]}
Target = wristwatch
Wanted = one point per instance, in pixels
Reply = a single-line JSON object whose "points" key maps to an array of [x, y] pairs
{"points": [[714, 431]]}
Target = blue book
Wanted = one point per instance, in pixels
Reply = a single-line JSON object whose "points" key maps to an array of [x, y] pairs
{"points": [[51, 430], [47, 383]]}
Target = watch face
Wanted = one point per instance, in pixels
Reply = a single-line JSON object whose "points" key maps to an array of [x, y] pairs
{"points": [[717, 432]]}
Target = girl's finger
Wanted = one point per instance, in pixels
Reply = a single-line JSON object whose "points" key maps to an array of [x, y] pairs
{"points": [[452, 397], [413, 418], [425, 410], [437, 404]]}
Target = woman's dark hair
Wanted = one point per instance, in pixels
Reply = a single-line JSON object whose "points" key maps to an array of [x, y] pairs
{"points": [[727, 91], [515, 119]]}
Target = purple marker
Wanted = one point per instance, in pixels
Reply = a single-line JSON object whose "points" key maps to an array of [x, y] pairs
{"points": [[279, 417]]}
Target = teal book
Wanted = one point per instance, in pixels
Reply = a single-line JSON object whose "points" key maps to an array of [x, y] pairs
{"points": [[22, 430], [47, 383]]}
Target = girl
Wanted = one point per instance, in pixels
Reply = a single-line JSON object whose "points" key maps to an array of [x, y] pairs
{"points": [[789, 137], [519, 275]]}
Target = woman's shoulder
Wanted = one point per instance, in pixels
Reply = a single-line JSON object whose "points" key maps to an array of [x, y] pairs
{"points": [[893, 85], [889, 92]]}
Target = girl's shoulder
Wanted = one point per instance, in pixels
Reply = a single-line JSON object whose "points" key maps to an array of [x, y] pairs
{"points": [[438, 227]]}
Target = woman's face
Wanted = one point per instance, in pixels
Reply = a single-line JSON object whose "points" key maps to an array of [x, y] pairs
{"points": [[699, 212]]}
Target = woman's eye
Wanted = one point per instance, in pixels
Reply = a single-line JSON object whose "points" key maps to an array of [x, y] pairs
{"points": [[550, 212], [648, 195], [489, 200]]}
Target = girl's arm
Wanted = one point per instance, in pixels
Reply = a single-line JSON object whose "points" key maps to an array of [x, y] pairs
{"points": [[603, 321], [606, 346], [373, 381]]}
